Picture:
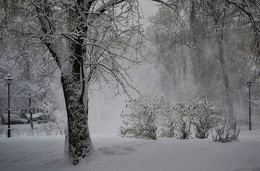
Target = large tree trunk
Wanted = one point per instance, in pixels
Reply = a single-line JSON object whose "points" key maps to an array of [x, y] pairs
{"points": [[221, 59], [68, 55], [78, 143], [199, 36], [227, 91]]}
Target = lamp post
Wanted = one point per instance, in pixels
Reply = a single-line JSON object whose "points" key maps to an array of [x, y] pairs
{"points": [[249, 83], [9, 80]]}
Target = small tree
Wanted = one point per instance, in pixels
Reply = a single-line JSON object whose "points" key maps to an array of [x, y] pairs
{"points": [[141, 121]]}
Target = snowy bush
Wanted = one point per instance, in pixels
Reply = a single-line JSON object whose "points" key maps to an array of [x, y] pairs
{"points": [[224, 132], [141, 119], [167, 121], [183, 120], [174, 121], [205, 115], [200, 113], [150, 116]]}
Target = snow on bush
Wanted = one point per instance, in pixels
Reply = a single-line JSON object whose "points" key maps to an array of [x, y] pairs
{"points": [[200, 113], [182, 120], [175, 120], [141, 119], [149, 116], [205, 116], [225, 132], [167, 121]]}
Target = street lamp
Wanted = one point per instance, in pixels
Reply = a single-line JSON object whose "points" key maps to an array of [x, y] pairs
{"points": [[249, 83], [9, 80]]}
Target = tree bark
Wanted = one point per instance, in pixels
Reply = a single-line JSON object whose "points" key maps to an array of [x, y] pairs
{"points": [[219, 21], [30, 111], [78, 139], [199, 37], [78, 143], [227, 91]]}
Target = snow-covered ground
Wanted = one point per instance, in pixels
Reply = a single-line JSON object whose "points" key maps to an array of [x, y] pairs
{"points": [[123, 154]]}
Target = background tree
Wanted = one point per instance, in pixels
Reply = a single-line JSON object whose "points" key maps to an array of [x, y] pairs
{"points": [[208, 37], [26, 61]]}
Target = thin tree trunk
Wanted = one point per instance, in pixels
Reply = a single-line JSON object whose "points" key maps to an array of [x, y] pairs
{"points": [[30, 111]]}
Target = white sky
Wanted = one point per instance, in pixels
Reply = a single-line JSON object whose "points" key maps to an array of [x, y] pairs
{"points": [[149, 8]]}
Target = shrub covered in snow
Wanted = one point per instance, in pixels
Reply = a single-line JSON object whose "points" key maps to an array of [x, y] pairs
{"points": [[205, 116], [140, 121], [225, 132], [182, 120], [175, 120], [167, 121], [149, 116], [200, 113]]}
